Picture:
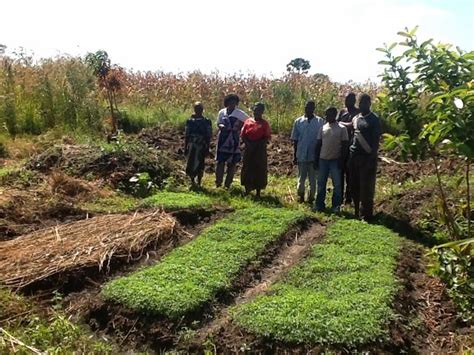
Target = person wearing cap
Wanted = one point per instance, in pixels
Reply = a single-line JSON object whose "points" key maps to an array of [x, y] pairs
{"points": [[229, 122], [255, 134], [197, 139]]}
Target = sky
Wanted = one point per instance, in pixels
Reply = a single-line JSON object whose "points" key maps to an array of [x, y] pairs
{"points": [[338, 37]]}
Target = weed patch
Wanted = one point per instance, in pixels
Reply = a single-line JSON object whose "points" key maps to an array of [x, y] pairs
{"points": [[341, 294], [192, 275], [178, 200], [23, 329], [113, 204]]}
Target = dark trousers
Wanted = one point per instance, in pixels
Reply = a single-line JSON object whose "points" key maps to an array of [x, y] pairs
{"points": [[220, 168], [363, 170], [346, 183]]}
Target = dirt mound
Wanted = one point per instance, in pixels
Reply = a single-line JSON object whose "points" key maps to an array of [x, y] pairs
{"points": [[117, 164], [414, 170], [49, 201], [25, 211], [77, 245], [280, 149]]}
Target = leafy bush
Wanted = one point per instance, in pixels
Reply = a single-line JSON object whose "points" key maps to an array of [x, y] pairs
{"points": [[430, 90], [192, 275], [341, 294], [454, 264]]}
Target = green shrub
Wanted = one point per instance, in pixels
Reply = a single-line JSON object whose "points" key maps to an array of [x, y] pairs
{"points": [[454, 265], [341, 294], [192, 275]]}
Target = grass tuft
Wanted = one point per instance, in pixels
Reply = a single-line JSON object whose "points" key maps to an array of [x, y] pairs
{"points": [[178, 200]]}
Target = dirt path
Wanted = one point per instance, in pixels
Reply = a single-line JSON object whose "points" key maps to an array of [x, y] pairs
{"points": [[427, 317], [289, 255]]}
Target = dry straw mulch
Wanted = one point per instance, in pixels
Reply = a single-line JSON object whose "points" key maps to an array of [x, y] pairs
{"points": [[77, 245]]}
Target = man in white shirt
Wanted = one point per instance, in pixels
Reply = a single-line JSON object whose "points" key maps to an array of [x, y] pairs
{"points": [[304, 135], [331, 149]]}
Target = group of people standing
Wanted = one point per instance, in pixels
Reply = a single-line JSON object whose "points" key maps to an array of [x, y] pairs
{"points": [[342, 146]]}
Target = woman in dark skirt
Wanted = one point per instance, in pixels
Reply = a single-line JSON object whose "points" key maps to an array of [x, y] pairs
{"points": [[197, 139], [255, 133]]}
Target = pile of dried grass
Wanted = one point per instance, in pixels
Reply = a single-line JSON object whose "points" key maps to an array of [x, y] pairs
{"points": [[92, 242]]}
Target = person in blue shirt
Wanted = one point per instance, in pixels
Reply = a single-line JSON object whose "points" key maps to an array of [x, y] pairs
{"points": [[363, 158], [304, 135]]}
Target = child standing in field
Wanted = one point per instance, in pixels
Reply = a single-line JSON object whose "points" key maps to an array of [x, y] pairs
{"points": [[331, 151], [197, 139]]}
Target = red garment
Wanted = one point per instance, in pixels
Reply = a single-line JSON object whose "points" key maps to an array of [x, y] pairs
{"points": [[256, 130]]}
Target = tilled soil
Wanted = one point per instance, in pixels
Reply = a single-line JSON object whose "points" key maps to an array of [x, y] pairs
{"points": [[280, 149], [425, 322], [159, 334], [218, 327]]}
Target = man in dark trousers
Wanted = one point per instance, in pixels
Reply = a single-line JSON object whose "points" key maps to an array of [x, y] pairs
{"points": [[363, 158], [345, 118]]}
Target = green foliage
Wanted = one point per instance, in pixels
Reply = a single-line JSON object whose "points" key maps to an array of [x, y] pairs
{"points": [[341, 294], [52, 335], [192, 275], [140, 185], [99, 62], [48, 94], [76, 94], [8, 108], [178, 200], [298, 65], [114, 204], [454, 264], [429, 90]]}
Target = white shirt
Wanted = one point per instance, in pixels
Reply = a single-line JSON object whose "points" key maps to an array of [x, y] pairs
{"points": [[237, 113], [306, 132]]}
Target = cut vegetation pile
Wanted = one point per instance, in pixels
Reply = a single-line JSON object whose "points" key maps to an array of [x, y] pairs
{"points": [[341, 294], [194, 274], [77, 245]]}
